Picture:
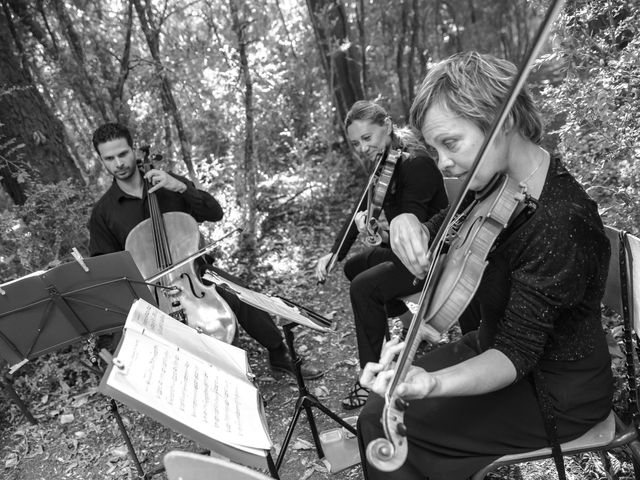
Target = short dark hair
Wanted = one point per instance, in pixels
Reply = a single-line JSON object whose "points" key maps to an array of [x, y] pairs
{"points": [[111, 131]]}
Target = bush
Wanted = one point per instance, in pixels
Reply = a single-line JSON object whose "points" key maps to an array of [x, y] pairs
{"points": [[598, 104], [41, 233]]}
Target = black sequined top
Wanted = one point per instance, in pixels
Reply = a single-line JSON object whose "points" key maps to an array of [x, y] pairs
{"points": [[541, 291]]}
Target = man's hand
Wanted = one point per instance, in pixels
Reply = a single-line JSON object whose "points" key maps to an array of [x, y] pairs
{"points": [[410, 242], [159, 179]]}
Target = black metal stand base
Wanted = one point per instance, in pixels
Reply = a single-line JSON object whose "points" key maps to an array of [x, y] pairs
{"points": [[305, 402], [7, 385]]}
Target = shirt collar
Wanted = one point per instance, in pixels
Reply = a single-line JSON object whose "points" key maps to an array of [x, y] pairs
{"points": [[120, 195]]}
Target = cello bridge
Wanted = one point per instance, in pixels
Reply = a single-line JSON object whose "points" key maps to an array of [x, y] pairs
{"points": [[179, 315]]}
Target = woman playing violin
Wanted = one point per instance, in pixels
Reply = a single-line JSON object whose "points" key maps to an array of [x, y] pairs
{"points": [[537, 305], [377, 277]]}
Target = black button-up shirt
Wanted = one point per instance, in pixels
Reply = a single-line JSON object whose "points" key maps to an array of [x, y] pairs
{"points": [[116, 213]]}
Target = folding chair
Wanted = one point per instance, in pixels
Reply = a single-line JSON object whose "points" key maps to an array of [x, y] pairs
{"points": [[622, 294], [192, 466]]}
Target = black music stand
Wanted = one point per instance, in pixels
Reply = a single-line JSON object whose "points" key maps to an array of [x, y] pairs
{"points": [[306, 399], [44, 312], [295, 315]]}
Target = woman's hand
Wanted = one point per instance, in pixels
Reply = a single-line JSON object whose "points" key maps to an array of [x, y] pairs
{"points": [[160, 179], [377, 376], [410, 242], [417, 384], [321, 267]]}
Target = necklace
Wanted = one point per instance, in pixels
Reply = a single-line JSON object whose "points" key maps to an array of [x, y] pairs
{"points": [[523, 183], [527, 200]]}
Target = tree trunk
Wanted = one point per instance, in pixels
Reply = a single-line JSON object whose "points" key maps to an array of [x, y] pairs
{"points": [[152, 35], [26, 120], [340, 57], [400, 69], [361, 16], [248, 167]]}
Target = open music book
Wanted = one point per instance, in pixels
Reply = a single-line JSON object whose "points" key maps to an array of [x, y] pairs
{"points": [[189, 382]]}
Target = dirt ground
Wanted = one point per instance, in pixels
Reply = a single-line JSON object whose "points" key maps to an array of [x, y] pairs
{"points": [[77, 438]]}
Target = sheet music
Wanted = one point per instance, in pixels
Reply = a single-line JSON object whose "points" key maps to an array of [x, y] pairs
{"points": [[190, 390], [144, 317], [264, 302]]}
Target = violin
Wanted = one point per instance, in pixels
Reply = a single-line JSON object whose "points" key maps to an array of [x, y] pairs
{"points": [[453, 278], [159, 243], [375, 198], [365, 193], [374, 194]]}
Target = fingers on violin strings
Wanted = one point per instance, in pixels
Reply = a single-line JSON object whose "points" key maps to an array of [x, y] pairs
{"points": [[381, 382], [390, 350], [369, 373]]}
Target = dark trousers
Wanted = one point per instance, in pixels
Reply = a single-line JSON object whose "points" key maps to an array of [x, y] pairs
{"points": [[377, 279], [257, 323]]}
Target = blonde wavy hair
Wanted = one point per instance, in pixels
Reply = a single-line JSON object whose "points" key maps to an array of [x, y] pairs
{"points": [[401, 137], [474, 86]]}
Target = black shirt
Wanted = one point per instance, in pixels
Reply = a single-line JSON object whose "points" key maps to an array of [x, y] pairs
{"points": [[117, 213]]}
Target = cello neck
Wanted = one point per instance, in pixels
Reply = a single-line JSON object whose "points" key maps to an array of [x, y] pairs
{"points": [[160, 237]]}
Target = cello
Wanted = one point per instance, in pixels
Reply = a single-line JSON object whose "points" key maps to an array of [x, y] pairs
{"points": [[161, 241], [453, 278]]}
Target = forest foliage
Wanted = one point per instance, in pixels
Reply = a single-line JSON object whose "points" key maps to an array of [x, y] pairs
{"points": [[247, 97], [244, 94]]}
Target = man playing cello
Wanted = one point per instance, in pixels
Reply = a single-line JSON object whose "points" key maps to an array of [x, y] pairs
{"points": [[125, 205]]}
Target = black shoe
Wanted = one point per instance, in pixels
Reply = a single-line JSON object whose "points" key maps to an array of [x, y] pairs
{"points": [[356, 398], [280, 361]]}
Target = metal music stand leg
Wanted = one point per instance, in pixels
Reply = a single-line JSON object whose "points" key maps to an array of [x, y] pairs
{"points": [[273, 471], [305, 401], [123, 431], [7, 384]]}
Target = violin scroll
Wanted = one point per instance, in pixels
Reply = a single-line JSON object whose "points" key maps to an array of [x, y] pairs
{"points": [[372, 238], [389, 454]]}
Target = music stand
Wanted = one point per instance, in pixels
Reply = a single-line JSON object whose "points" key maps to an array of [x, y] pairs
{"points": [[47, 311], [295, 315]]}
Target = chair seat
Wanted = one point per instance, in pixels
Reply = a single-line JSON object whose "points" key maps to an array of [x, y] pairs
{"points": [[599, 435]]}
